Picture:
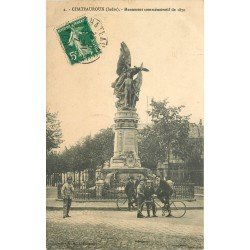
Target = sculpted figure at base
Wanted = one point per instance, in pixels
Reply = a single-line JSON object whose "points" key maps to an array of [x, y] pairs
{"points": [[126, 87]]}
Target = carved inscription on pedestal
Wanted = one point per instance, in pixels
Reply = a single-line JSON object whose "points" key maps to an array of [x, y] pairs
{"points": [[129, 141]]}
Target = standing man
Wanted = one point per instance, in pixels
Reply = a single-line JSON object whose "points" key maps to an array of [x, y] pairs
{"points": [[130, 192], [140, 197], [149, 191], [67, 195]]}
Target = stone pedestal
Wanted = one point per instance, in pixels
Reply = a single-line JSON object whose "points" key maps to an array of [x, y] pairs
{"points": [[126, 142], [126, 161]]}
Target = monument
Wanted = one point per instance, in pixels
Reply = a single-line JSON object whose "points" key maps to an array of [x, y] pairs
{"points": [[125, 160]]}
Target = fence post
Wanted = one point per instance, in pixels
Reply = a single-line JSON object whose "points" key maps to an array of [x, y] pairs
{"points": [[191, 190], [59, 194]]}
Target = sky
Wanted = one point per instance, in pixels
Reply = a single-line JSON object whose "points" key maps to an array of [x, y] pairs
{"points": [[170, 45]]}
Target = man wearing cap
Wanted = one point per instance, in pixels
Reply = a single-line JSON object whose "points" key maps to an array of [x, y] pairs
{"points": [[67, 195], [148, 192], [130, 192], [164, 192]]}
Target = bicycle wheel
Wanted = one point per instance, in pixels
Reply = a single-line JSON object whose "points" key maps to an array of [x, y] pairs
{"points": [[178, 209], [122, 203], [147, 205]]}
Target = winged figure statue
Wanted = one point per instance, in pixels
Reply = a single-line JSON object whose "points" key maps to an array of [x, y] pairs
{"points": [[127, 85]]}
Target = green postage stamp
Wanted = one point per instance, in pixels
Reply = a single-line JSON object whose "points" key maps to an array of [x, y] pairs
{"points": [[82, 40]]}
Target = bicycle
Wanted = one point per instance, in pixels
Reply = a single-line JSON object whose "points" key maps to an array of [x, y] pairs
{"points": [[177, 209], [122, 203]]}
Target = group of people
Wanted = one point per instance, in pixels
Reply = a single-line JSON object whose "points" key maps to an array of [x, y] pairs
{"points": [[137, 191], [141, 190]]}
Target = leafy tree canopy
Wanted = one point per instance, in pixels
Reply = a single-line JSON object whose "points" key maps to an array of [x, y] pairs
{"points": [[89, 152], [168, 134], [53, 131]]}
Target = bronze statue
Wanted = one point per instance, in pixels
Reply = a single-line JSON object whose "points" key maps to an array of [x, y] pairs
{"points": [[126, 88]]}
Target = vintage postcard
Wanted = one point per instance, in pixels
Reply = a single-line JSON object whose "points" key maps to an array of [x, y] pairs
{"points": [[124, 124]]}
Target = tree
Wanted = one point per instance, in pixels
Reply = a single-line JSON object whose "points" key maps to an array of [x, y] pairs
{"points": [[89, 152], [170, 129], [149, 148], [195, 161], [102, 146], [53, 166], [52, 163], [53, 131]]}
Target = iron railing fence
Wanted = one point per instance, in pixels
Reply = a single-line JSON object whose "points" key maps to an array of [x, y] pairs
{"points": [[199, 190], [181, 192]]}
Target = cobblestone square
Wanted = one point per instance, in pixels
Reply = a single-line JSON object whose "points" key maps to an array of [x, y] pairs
{"points": [[122, 230]]}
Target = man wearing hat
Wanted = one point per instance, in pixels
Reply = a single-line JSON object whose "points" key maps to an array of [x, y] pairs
{"points": [[148, 192], [164, 192], [130, 192], [67, 195]]}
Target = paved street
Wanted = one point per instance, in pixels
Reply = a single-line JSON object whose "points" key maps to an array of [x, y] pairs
{"points": [[122, 230]]}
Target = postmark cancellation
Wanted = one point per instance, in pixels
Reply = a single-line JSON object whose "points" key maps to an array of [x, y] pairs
{"points": [[82, 39]]}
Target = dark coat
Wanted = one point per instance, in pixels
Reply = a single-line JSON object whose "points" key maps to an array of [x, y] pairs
{"points": [[164, 189], [148, 192], [130, 188]]}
